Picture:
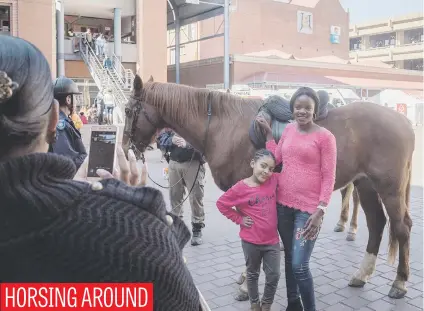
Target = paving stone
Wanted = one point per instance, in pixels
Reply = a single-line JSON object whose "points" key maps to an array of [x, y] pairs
{"points": [[372, 295], [331, 299], [381, 305], [339, 307], [355, 302], [223, 281]]}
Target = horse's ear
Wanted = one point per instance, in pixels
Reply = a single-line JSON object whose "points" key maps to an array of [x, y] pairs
{"points": [[151, 79], [138, 84]]}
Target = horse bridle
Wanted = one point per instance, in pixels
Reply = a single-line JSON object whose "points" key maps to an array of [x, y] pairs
{"points": [[133, 115]]}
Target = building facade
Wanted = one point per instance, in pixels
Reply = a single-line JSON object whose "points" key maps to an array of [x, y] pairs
{"points": [[302, 28], [142, 26], [34, 21], [396, 41]]}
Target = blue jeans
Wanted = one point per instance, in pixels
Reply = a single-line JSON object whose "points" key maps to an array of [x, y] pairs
{"points": [[297, 251]]}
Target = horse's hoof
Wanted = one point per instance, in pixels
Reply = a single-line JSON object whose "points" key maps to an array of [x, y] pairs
{"points": [[241, 279], [356, 283], [351, 236], [339, 228], [397, 293], [241, 296]]}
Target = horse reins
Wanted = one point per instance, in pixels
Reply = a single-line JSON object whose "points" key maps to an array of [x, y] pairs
{"points": [[134, 115]]}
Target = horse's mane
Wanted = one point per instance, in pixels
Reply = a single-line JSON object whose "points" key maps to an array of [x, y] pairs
{"points": [[182, 102]]}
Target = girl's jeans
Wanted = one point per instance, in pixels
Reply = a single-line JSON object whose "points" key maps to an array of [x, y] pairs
{"points": [[254, 255], [297, 251]]}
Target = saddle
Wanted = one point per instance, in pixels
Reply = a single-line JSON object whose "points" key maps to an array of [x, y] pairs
{"points": [[276, 109]]}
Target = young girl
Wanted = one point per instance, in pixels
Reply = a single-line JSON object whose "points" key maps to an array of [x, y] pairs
{"points": [[254, 199]]}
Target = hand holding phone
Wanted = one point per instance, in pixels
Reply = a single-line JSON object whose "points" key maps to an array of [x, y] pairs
{"points": [[127, 170]]}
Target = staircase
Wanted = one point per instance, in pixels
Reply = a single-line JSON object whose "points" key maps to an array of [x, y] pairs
{"points": [[116, 78]]}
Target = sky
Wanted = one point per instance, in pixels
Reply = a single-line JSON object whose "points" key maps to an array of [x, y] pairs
{"points": [[368, 10]]}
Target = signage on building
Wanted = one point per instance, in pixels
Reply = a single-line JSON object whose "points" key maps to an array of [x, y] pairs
{"points": [[305, 22], [401, 108], [335, 32], [193, 1]]}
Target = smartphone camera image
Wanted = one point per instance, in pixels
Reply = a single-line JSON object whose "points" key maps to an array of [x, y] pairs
{"points": [[102, 151]]}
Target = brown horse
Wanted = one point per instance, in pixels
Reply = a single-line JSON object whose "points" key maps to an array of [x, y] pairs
{"points": [[374, 151]]}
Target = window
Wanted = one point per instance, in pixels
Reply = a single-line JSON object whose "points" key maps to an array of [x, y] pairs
{"points": [[182, 50], [172, 56], [5, 20]]}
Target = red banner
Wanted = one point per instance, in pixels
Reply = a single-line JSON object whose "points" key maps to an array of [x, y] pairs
{"points": [[76, 296]]}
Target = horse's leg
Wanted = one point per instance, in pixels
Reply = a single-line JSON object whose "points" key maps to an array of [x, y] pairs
{"points": [[351, 235], [344, 214], [397, 207], [376, 220]]}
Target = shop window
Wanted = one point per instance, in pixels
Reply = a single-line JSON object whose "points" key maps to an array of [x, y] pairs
{"points": [[5, 20]]}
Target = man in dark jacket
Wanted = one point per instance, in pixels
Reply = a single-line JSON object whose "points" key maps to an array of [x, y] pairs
{"points": [[68, 141], [185, 163]]}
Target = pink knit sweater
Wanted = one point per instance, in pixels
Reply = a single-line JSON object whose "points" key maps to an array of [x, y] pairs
{"points": [[309, 167]]}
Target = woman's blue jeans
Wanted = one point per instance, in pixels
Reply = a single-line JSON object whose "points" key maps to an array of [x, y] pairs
{"points": [[297, 251]]}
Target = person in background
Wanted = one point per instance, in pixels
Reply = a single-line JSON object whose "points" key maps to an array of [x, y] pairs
{"points": [[83, 118], [163, 149], [58, 230], [309, 156], [68, 141], [255, 199], [186, 170], [89, 38], [77, 120]]}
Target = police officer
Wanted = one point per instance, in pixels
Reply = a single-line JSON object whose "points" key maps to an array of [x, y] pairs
{"points": [[68, 141]]}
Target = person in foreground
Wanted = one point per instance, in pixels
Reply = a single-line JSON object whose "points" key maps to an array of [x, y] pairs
{"points": [[56, 229], [308, 153], [254, 199]]}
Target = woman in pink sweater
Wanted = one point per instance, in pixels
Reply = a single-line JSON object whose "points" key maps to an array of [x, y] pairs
{"points": [[308, 153]]}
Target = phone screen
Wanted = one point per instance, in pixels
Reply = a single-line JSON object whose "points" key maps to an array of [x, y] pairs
{"points": [[102, 152]]}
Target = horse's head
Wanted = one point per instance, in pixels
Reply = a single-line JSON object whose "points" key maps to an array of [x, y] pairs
{"points": [[141, 120]]}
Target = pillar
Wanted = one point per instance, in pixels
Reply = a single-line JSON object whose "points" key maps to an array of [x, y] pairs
{"points": [[151, 39], [117, 33], [177, 48], [227, 44], [60, 34], [400, 37], [365, 42]]}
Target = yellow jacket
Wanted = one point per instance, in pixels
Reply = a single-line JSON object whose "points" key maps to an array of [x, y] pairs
{"points": [[77, 121]]}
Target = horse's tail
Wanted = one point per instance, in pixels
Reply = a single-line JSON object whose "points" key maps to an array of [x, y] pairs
{"points": [[393, 241]]}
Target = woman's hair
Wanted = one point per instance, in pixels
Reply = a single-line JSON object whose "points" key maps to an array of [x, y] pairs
{"points": [[25, 113], [308, 92], [263, 153]]}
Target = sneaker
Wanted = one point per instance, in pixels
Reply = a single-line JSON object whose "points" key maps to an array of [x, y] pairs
{"points": [[255, 307]]}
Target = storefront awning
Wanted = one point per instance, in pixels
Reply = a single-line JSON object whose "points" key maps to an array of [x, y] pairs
{"points": [[284, 79]]}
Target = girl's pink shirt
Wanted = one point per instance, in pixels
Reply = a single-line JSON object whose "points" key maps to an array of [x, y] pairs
{"points": [[257, 202], [309, 167]]}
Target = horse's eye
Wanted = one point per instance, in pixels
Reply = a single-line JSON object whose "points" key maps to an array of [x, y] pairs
{"points": [[128, 112]]}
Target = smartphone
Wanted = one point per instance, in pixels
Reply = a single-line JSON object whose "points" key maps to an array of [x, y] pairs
{"points": [[102, 150]]}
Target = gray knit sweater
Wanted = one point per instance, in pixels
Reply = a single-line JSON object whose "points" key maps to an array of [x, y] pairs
{"points": [[54, 229]]}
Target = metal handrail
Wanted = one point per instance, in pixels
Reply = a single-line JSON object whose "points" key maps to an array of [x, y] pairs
{"points": [[126, 75], [105, 78]]}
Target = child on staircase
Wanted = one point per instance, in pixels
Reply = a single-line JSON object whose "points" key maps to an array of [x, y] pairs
{"points": [[255, 201]]}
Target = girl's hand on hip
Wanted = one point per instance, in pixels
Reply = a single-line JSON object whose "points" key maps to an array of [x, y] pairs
{"points": [[312, 225], [247, 221]]}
